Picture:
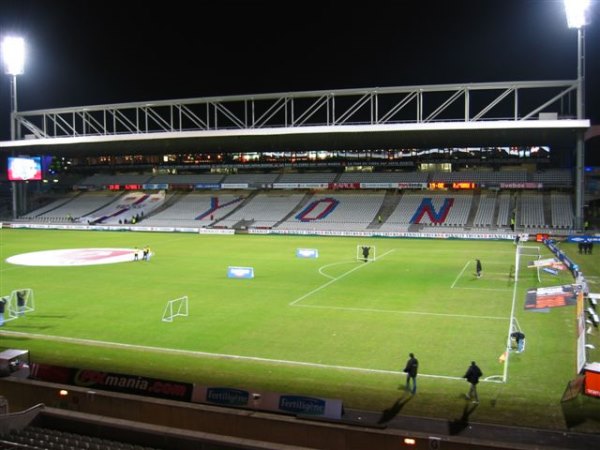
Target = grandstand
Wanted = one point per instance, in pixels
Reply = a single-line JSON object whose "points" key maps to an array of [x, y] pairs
{"points": [[379, 201]]}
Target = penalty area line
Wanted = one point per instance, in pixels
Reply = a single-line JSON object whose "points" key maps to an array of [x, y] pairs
{"points": [[333, 280], [460, 275], [119, 345]]}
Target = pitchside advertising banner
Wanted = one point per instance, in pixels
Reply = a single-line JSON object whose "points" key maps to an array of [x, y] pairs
{"points": [[116, 382], [551, 297], [269, 401], [188, 392], [585, 238], [592, 379]]}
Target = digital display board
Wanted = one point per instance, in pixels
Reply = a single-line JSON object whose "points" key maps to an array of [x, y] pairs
{"points": [[455, 185], [24, 168], [437, 185], [463, 185], [126, 187]]}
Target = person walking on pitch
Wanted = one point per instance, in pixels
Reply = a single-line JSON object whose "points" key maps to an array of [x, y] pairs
{"points": [[472, 375], [411, 369]]}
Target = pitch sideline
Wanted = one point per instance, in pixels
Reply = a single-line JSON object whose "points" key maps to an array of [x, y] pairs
{"points": [[199, 354]]}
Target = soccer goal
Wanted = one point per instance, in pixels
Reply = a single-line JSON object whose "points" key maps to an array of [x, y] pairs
{"points": [[20, 302], [174, 308], [366, 252], [528, 253]]}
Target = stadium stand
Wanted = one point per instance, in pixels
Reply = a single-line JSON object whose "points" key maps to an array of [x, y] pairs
{"points": [[263, 210], [193, 209], [550, 206], [337, 211], [562, 211], [531, 211], [75, 206]]}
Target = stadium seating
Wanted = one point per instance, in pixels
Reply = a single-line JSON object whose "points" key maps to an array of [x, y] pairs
{"points": [[264, 205]]}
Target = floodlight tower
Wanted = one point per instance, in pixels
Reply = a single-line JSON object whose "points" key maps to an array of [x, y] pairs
{"points": [[13, 54], [578, 17]]}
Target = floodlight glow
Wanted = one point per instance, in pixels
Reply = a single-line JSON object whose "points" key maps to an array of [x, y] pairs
{"points": [[577, 12], [13, 52]]}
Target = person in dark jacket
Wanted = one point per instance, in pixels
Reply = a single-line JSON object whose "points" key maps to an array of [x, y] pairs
{"points": [[472, 375], [20, 303], [411, 369], [3, 302], [365, 252], [519, 338], [478, 268]]}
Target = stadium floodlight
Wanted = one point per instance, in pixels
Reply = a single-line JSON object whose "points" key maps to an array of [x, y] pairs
{"points": [[13, 55], [577, 12]]}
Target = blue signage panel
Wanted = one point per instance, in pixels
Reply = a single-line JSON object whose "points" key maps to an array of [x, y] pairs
{"points": [[307, 253], [240, 272]]}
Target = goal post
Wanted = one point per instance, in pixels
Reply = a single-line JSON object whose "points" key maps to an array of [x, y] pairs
{"points": [[523, 255], [366, 252], [174, 308]]}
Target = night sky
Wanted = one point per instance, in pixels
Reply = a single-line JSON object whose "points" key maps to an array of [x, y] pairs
{"points": [[87, 52]]}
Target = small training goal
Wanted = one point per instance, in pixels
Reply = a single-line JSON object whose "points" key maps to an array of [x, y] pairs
{"points": [[366, 252], [174, 308], [19, 303]]}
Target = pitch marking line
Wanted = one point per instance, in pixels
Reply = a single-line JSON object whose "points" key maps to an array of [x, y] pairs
{"points": [[460, 274], [392, 311], [502, 277], [322, 268], [197, 354], [333, 280]]}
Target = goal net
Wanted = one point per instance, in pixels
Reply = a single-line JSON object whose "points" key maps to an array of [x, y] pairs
{"points": [[366, 252], [19, 303], [174, 308], [524, 257]]}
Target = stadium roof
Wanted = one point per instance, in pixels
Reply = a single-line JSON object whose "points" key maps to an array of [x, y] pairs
{"points": [[354, 137], [474, 114]]}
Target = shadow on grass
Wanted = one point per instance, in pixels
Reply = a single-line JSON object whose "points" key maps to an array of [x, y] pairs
{"points": [[392, 411], [580, 410], [456, 426]]}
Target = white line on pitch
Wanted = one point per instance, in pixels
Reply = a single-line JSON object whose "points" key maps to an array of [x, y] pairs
{"points": [[323, 286], [391, 311], [484, 289], [460, 274], [333, 264], [171, 351]]}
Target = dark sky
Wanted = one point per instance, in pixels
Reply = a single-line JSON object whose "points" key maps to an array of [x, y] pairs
{"points": [[85, 52]]}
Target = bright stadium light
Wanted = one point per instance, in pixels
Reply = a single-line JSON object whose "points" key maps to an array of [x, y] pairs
{"points": [[13, 55], [577, 12]]}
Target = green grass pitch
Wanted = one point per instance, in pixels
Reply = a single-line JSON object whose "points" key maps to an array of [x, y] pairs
{"points": [[332, 326]]}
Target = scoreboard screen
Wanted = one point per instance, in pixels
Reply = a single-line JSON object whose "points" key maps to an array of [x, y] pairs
{"points": [[127, 187], [456, 185], [463, 185]]}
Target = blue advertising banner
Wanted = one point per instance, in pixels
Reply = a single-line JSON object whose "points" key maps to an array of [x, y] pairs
{"points": [[307, 253], [269, 401], [240, 272]]}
